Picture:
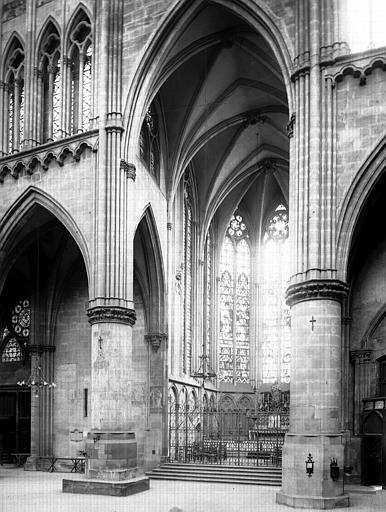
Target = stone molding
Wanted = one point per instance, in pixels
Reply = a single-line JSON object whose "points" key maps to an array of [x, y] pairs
{"points": [[40, 349], [129, 169], [316, 289], [360, 356], [27, 160], [117, 314], [155, 339], [291, 126]]}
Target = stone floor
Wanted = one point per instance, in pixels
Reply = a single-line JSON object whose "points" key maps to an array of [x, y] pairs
{"points": [[22, 491]]}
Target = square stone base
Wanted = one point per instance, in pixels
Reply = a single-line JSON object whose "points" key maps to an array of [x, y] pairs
{"points": [[316, 502], [106, 488]]}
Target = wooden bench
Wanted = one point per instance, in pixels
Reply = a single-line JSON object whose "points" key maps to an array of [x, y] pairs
{"points": [[77, 463]]}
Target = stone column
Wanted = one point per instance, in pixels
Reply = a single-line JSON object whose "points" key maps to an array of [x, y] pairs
{"points": [[42, 356], [111, 444], [363, 367], [315, 414], [30, 79], [315, 294]]}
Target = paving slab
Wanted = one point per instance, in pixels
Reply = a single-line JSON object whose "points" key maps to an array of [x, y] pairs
{"points": [[26, 491]]}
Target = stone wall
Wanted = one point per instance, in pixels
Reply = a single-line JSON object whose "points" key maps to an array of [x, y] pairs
{"points": [[72, 367]]}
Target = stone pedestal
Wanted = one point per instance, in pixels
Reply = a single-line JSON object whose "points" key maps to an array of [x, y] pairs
{"points": [[111, 467], [111, 455], [319, 490], [315, 413]]}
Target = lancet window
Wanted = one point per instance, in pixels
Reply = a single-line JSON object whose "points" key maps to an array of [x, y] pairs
{"points": [[188, 277], [149, 141], [50, 77], [234, 303], [80, 65], [276, 348], [14, 98], [208, 296]]}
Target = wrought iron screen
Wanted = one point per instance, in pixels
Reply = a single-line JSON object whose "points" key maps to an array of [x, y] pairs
{"points": [[232, 436]]}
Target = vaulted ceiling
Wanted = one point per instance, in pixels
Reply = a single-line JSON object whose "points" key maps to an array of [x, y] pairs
{"points": [[224, 109]]}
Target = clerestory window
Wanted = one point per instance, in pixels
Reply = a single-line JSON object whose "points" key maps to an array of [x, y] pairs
{"points": [[14, 98]]}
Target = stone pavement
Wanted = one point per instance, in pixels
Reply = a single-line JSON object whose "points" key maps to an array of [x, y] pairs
{"points": [[23, 491]]}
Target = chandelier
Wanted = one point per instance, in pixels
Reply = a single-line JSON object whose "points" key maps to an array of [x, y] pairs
{"points": [[36, 381]]}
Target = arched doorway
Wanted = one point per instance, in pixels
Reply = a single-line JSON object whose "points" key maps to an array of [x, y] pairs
{"points": [[366, 335]]}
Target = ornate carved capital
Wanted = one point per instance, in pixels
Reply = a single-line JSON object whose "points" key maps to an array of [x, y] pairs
{"points": [[129, 169], [361, 356], [118, 314], [169, 226], [291, 126], [155, 339], [316, 289]]}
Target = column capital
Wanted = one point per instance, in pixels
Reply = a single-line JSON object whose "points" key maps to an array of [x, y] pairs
{"points": [[129, 169], [315, 289], [156, 339], [360, 356], [108, 313]]}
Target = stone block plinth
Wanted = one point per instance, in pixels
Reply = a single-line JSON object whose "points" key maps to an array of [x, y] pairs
{"points": [[103, 487], [111, 455], [320, 490]]}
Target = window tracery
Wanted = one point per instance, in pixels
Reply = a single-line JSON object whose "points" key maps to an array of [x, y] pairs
{"points": [[208, 296], [276, 346], [80, 65], [16, 333], [234, 295], [50, 76], [188, 259], [14, 97], [149, 141]]}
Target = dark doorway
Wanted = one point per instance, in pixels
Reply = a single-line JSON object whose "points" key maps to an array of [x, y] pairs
{"points": [[15, 422], [372, 460]]}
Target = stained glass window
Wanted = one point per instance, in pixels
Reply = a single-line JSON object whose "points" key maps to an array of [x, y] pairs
{"points": [[276, 346], [16, 331], [14, 96], [20, 318], [81, 53], [12, 352], [234, 299], [149, 141], [208, 297], [188, 256]]}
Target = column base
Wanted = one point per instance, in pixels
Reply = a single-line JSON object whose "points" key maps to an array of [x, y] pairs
{"points": [[316, 502], [323, 487], [111, 456]]}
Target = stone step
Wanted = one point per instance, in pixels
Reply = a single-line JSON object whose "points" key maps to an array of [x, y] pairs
{"points": [[223, 467], [214, 479], [217, 474]]}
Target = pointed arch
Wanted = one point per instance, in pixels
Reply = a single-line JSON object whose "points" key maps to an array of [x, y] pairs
{"points": [[18, 215], [81, 12], [49, 25], [12, 133], [354, 202], [14, 40], [146, 240], [178, 16], [79, 70]]}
